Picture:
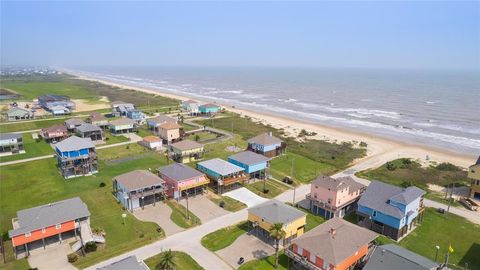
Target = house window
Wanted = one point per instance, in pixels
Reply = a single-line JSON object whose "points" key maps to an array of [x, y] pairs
{"points": [[325, 265], [329, 201], [58, 226], [374, 213], [43, 230], [28, 234]]}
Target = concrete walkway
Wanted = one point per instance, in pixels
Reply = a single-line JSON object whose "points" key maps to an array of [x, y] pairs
{"points": [[245, 196], [160, 214], [203, 208], [53, 257]]}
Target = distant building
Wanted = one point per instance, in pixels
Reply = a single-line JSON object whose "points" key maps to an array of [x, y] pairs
{"points": [[209, 109], [123, 125], [191, 106], [87, 130], [35, 227], [182, 180], [73, 123], [335, 244], [136, 115], [169, 132], [330, 197], [152, 142], [391, 210], [254, 164], [262, 217], [267, 145], [186, 151], [154, 123], [138, 188], [11, 143], [225, 176], [474, 175], [393, 257], [76, 157], [129, 263], [56, 104], [120, 108], [16, 113], [54, 134], [98, 119]]}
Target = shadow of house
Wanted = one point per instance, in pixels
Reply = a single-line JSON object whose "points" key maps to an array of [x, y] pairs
{"points": [[471, 257], [259, 254]]}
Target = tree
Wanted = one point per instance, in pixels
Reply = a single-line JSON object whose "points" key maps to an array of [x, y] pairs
{"points": [[277, 233], [167, 261]]}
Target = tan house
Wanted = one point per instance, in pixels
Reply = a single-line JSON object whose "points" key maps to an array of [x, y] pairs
{"points": [[186, 151], [54, 133], [98, 119], [474, 175], [169, 132]]}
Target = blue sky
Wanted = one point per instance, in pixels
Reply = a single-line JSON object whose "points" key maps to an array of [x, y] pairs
{"points": [[308, 34]]}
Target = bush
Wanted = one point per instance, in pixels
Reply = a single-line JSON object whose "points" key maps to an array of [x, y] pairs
{"points": [[445, 166], [221, 204], [265, 191], [141, 234], [90, 247], [363, 144], [102, 184], [72, 257], [391, 166]]}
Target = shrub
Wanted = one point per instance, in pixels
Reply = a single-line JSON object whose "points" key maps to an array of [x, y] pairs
{"points": [[363, 144], [90, 247], [265, 191], [445, 166], [221, 204], [391, 166], [197, 138], [72, 257], [102, 184], [141, 234]]}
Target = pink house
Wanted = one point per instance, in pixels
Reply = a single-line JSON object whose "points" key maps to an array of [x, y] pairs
{"points": [[330, 197], [181, 180]]}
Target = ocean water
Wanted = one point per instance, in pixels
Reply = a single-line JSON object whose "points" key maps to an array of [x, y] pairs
{"points": [[430, 107]]}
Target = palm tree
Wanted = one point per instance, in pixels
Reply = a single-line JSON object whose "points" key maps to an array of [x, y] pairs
{"points": [[167, 261], [277, 233]]}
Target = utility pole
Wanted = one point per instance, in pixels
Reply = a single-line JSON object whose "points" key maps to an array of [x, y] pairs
{"points": [[186, 209], [294, 188]]}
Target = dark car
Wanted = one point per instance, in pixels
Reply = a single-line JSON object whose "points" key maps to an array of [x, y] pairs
{"points": [[241, 260]]}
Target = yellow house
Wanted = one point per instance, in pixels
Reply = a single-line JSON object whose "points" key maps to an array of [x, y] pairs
{"points": [[263, 216], [474, 175], [186, 151]]}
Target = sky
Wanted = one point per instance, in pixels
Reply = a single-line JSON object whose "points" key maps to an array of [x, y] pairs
{"points": [[423, 34]]}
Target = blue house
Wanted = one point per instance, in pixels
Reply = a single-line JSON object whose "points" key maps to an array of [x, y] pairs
{"points": [[253, 163], [225, 176], [136, 115], [208, 108], [391, 210], [267, 145], [76, 157]]}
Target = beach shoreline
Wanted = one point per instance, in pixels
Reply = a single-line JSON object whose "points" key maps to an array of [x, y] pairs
{"points": [[377, 145]]}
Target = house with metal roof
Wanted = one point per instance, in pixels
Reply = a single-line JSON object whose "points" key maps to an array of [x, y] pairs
{"points": [[73, 123], [267, 145], [186, 151], [55, 133], [98, 119], [138, 188], [390, 210], [11, 143], [334, 197], [87, 130], [48, 223], [123, 125], [254, 164], [76, 157], [16, 113], [120, 108], [262, 217], [136, 115], [335, 244], [181, 180], [208, 109], [474, 176], [225, 176], [56, 104], [394, 257], [129, 263]]}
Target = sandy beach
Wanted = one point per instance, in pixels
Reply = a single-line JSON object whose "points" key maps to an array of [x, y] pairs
{"points": [[389, 149]]}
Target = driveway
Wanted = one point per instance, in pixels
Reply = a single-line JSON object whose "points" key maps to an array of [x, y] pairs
{"points": [[53, 257], [160, 214], [245, 196], [203, 208], [247, 246]]}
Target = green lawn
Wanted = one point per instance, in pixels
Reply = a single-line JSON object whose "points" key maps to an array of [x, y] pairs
{"points": [[143, 131], [230, 204], [32, 149], [41, 183], [21, 264], [132, 150], [179, 217], [266, 263], [274, 188], [187, 127], [110, 139], [182, 260], [34, 125], [202, 136], [224, 237], [304, 170]]}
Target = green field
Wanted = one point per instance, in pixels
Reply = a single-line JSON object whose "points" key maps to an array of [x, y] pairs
{"points": [[312, 220], [182, 260], [266, 263], [304, 170], [224, 237], [274, 188], [32, 125], [33, 148], [179, 217], [202, 136], [41, 183], [230, 204]]}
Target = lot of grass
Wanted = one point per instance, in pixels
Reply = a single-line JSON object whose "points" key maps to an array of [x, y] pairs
{"points": [[110, 139], [179, 217], [202, 136], [266, 263], [338, 156], [41, 183], [230, 204], [304, 170], [143, 131], [224, 237], [274, 188], [218, 149], [182, 260], [187, 127], [312, 220], [123, 151], [34, 125], [32, 149]]}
